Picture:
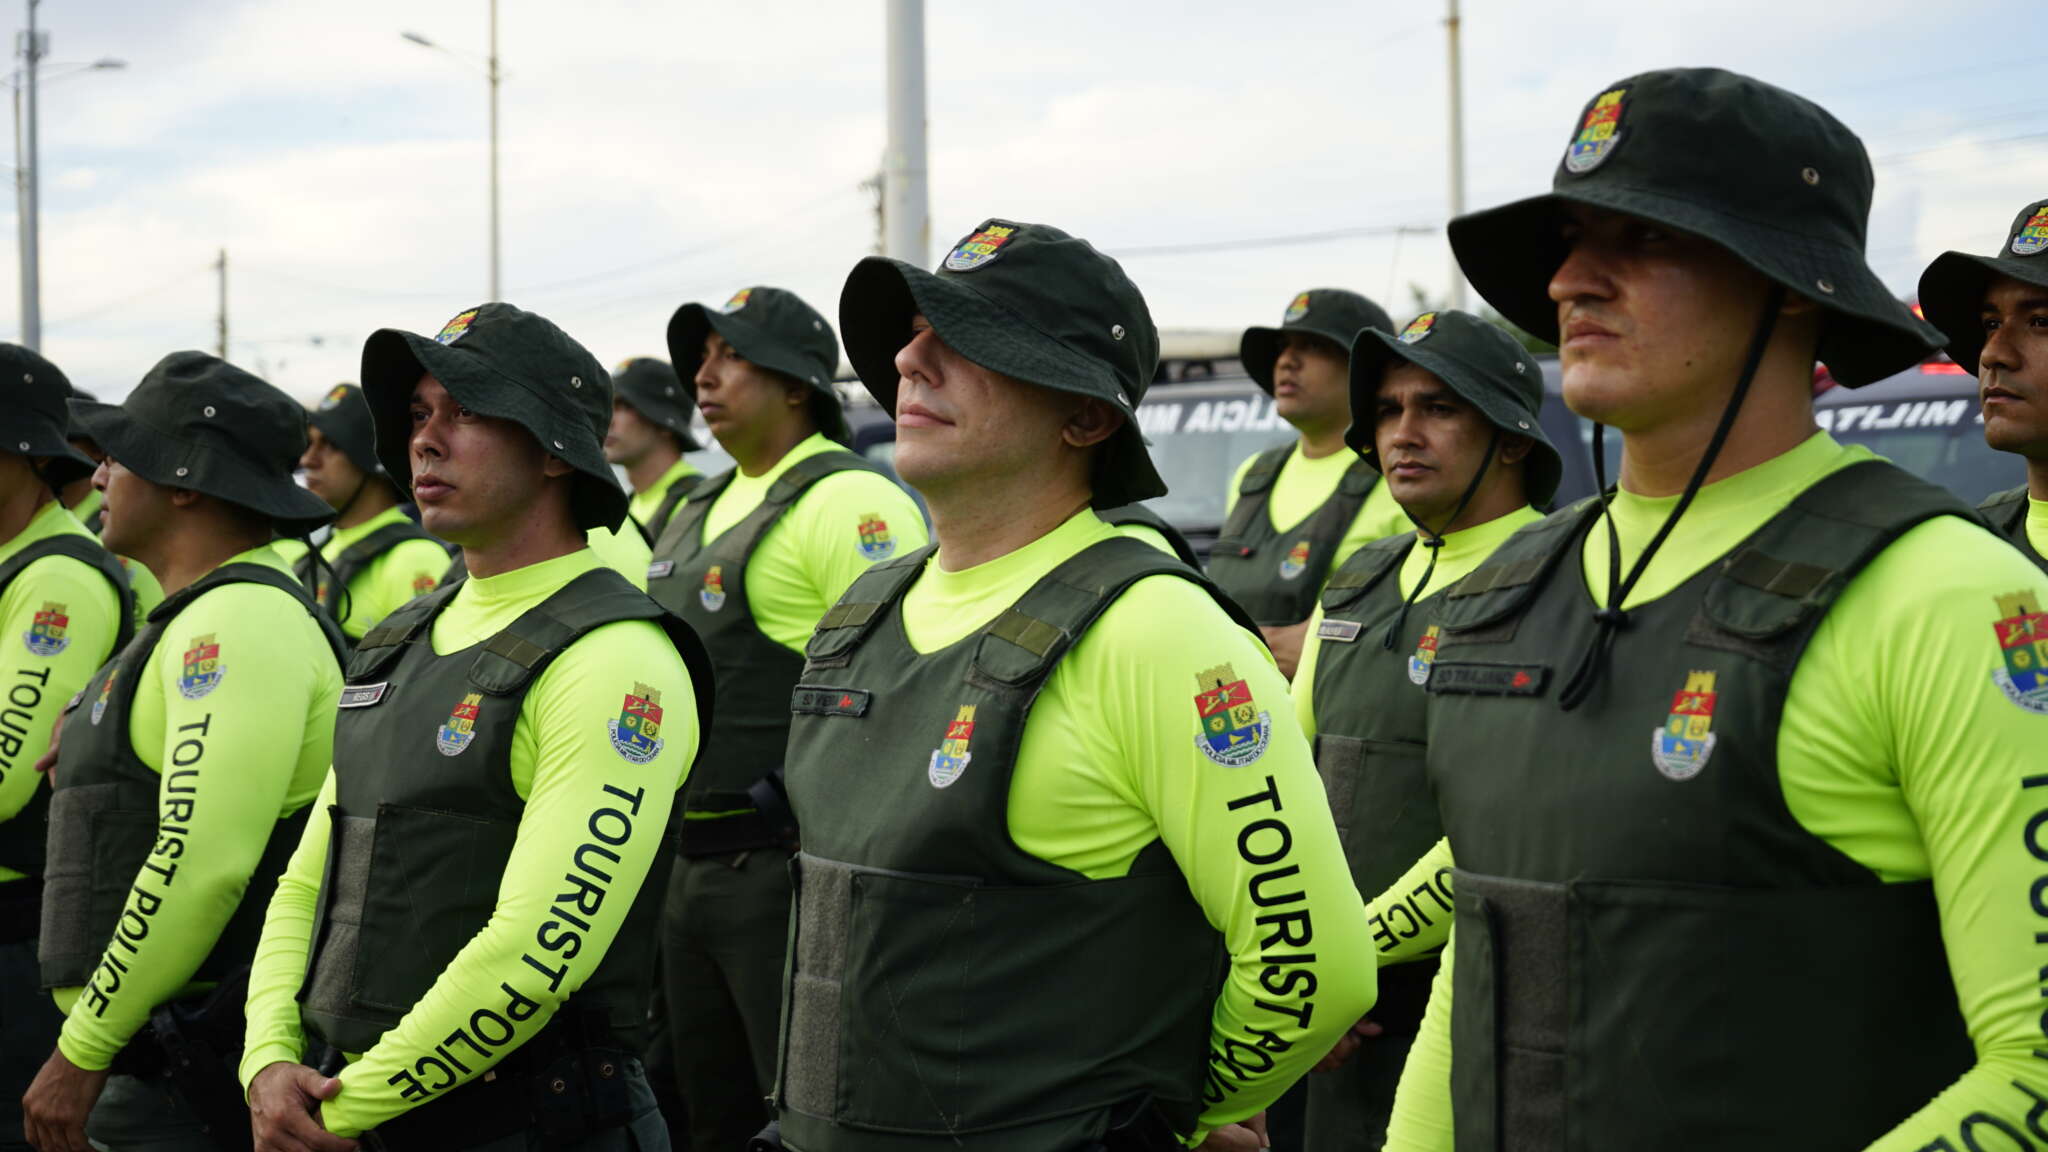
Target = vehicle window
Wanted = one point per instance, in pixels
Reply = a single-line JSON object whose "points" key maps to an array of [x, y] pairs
{"points": [[1937, 438], [1198, 442]]}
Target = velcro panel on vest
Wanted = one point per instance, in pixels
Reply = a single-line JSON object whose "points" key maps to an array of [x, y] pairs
{"points": [[866, 600], [381, 646], [514, 657], [1364, 569], [100, 836], [1340, 760], [2005, 511], [1526, 929], [1024, 643], [329, 986], [1265, 468], [810, 1065], [1505, 582]]}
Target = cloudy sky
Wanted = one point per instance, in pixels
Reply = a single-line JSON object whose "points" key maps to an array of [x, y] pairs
{"points": [[656, 153]]}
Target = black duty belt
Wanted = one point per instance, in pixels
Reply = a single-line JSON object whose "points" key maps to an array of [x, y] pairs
{"points": [[21, 910], [765, 821]]}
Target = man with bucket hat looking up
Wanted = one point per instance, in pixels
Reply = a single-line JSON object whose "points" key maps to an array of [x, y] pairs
{"points": [[1446, 412], [470, 925], [649, 433], [1045, 768], [1734, 761], [752, 559], [187, 764], [378, 558], [1298, 510], [1995, 312], [63, 611]]}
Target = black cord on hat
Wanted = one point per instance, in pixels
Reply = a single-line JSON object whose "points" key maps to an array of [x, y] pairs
{"points": [[1433, 540], [1611, 619]]}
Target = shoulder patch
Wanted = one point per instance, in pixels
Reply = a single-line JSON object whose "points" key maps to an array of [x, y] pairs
{"points": [[424, 582], [2023, 647], [1234, 731], [46, 635], [203, 668], [875, 541], [636, 733]]}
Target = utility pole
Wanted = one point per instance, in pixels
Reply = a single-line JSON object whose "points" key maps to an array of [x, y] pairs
{"points": [[33, 47], [221, 327], [906, 219], [494, 151], [1457, 150]]}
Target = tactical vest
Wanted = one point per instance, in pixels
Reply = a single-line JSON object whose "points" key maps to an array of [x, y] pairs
{"points": [[705, 583], [2006, 512], [1652, 952], [425, 814], [22, 835], [104, 809], [1139, 514], [919, 922], [1277, 575], [658, 521], [354, 559], [1371, 737]]}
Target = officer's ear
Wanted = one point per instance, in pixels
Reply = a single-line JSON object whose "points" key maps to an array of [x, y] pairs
{"points": [[1515, 449], [553, 466], [1090, 423]]}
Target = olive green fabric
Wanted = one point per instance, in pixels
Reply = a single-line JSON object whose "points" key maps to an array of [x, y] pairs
{"points": [[775, 329], [1952, 288], [1274, 575], [35, 419], [103, 809], [497, 360], [1475, 359], [1028, 301], [1647, 921], [671, 499], [1331, 313], [415, 856], [664, 396], [1769, 176], [918, 917], [353, 559], [1139, 514], [2006, 512], [199, 422]]}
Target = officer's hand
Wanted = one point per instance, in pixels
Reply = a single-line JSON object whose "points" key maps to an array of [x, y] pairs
{"points": [[48, 759], [1250, 1136], [1348, 1043], [1285, 641], [54, 1110], [284, 1102]]}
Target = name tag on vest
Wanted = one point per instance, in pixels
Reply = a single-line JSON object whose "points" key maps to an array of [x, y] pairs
{"points": [[1475, 679], [1342, 631], [362, 695], [660, 568], [829, 701]]}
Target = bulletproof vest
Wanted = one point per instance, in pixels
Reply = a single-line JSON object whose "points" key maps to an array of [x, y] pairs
{"points": [[1277, 575], [1371, 739], [1652, 952], [1139, 514], [658, 521], [918, 920], [2006, 512], [22, 835], [705, 583], [425, 814], [353, 560], [104, 802]]}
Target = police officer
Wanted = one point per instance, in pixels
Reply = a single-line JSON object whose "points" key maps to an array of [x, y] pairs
{"points": [[479, 943], [752, 559], [1995, 311], [1734, 762], [377, 557], [649, 433], [1046, 773], [186, 767], [63, 610], [1446, 413], [1297, 511], [88, 507]]}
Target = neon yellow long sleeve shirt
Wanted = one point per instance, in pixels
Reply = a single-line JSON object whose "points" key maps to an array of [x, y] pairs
{"points": [[645, 503], [249, 751], [2037, 525], [408, 569], [1305, 483], [562, 765], [1111, 760], [1899, 747]]}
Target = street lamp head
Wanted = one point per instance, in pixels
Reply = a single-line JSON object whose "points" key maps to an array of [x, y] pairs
{"points": [[416, 38], [108, 64]]}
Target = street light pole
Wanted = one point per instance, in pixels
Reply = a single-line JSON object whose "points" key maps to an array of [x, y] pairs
{"points": [[906, 221], [494, 151], [1457, 150], [27, 178]]}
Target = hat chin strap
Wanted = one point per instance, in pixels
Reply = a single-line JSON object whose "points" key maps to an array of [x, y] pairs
{"points": [[1433, 539], [1611, 619]]}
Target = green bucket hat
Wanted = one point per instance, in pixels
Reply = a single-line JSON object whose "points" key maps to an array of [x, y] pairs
{"points": [[200, 423], [500, 361], [343, 416], [772, 328], [1952, 288], [655, 390], [1332, 313], [1770, 176], [36, 421], [1478, 361], [1033, 303]]}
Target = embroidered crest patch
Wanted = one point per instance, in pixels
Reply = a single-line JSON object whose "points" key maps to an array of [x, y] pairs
{"points": [[99, 704], [1234, 731], [636, 734], [1681, 747], [203, 668], [737, 301], [978, 250], [453, 330], [423, 583], [1598, 133], [712, 594], [46, 633], [1296, 309], [875, 541], [2033, 235], [1418, 328], [334, 397], [2023, 643], [454, 735], [1424, 659], [1295, 562], [950, 758]]}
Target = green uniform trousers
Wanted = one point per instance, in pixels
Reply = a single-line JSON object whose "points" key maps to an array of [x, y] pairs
{"points": [[725, 932], [136, 1115], [29, 1023]]}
